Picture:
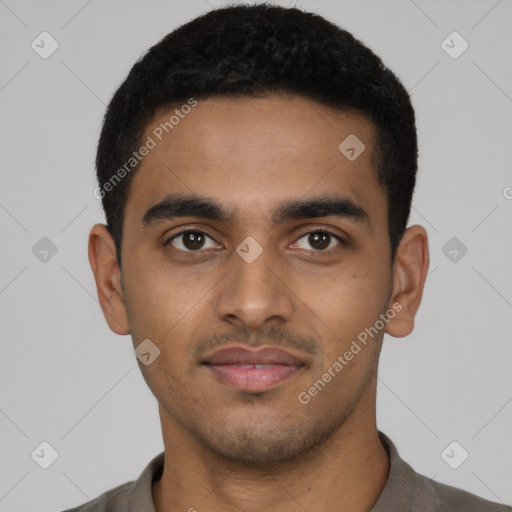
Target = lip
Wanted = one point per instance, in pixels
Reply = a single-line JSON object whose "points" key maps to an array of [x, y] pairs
{"points": [[252, 370], [245, 356]]}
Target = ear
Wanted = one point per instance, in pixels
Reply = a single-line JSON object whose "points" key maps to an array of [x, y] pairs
{"points": [[409, 274], [102, 257]]}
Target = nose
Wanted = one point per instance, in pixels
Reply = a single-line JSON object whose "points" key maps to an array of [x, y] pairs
{"points": [[256, 293]]}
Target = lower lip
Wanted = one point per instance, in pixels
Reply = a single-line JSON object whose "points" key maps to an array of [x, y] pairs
{"points": [[253, 379]]}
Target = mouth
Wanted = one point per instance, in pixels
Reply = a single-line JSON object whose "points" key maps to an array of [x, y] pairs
{"points": [[252, 370]]}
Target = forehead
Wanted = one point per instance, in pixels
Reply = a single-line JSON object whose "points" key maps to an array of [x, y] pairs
{"points": [[252, 153]]}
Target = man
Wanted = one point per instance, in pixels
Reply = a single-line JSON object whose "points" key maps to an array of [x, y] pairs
{"points": [[256, 169]]}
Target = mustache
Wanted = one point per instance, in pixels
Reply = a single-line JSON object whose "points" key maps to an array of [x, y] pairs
{"points": [[273, 336]]}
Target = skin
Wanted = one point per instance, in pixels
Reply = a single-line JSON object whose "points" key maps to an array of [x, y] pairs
{"points": [[225, 449]]}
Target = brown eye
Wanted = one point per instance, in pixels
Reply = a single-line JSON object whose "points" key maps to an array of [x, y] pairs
{"points": [[318, 241], [191, 241]]}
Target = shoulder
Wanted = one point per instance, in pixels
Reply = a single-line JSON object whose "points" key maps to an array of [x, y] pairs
{"points": [[113, 500], [410, 491], [133, 496], [448, 498]]}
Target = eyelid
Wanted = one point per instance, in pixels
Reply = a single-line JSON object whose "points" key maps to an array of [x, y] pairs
{"points": [[184, 231], [323, 230], [334, 234]]}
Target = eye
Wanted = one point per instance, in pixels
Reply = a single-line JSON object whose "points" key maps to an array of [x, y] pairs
{"points": [[319, 240], [191, 240]]}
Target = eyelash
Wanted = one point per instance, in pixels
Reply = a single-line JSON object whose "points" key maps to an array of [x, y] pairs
{"points": [[323, 230]]}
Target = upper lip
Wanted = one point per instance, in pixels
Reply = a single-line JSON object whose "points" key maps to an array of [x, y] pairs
{"points": [[244, 355]]}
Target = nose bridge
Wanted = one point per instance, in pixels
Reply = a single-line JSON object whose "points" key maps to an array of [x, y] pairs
{"points": [[253, 291]]}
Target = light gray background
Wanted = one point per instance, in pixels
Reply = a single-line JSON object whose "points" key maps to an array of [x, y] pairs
{"points": [[66, 379]]}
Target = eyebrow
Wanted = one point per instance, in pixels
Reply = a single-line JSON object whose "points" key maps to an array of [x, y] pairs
{"points": [[179, 205]]}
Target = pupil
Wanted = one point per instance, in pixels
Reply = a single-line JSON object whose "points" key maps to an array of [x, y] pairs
{"points": [[319, 240], [193, 240]]}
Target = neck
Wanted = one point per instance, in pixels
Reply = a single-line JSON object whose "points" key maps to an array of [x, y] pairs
{"points": [[346, 473]]}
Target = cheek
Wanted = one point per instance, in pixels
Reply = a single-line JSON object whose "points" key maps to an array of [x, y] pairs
{"points": [[347, 296], [343, 306], [158, 303]]}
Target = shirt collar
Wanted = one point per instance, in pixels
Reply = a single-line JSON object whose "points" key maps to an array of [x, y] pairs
{"points": [[141, 498], [402, 484], [397, 494]]}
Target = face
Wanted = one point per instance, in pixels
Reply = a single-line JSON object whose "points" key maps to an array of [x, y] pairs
{"points": [[291, 251]]}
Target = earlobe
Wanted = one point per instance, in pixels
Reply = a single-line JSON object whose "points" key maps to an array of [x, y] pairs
{"points": [[409, 274], [102, 258]]}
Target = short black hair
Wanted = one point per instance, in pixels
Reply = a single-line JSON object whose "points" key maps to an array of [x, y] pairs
{"points": [[253, 51]]}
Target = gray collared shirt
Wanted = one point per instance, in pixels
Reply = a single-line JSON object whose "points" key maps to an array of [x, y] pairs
{"points": [[405, 491]]}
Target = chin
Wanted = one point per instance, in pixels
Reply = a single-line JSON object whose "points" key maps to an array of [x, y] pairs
{"points": [[260, 448]]}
